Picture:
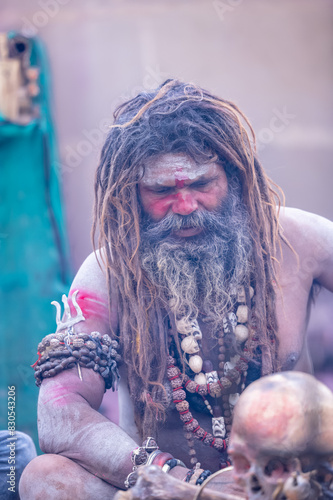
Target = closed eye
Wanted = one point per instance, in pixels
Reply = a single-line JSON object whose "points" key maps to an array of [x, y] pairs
{"points": [[200, 183], [203, 183], [162, 190]]}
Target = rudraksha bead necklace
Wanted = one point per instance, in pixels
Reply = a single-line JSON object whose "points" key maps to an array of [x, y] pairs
{"points": [[219, 388]]}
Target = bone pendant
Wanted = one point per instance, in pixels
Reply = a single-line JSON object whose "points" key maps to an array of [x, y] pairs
{"points": [[218, 427], [200, 379], [241, 297], [183, 326], [242, 314], [231, 319], [195, 363], [212, 377], [230, 365], [190, 345], [241, 333], [186, 327]]}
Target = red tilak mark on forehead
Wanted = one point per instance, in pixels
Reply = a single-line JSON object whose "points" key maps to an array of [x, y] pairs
{"points": [[180, 183]]}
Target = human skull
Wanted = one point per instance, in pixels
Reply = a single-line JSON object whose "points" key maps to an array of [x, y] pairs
{"points": [[218, 427], [282, 424]]}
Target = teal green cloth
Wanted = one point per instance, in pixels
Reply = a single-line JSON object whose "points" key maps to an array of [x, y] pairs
{"points": [[33, 252]]}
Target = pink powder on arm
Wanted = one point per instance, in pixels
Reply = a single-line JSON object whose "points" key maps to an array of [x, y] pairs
{"points": [[91, 304], [58, 394]]}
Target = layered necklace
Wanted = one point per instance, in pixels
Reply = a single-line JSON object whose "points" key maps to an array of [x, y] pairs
{"points": [[219, 386]]}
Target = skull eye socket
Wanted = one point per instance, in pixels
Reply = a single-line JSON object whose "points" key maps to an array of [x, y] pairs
{"points": [[275, 468], [241, 464]]}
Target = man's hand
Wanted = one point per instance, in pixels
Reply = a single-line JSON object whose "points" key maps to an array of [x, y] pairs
{"points": [[153, 484]]}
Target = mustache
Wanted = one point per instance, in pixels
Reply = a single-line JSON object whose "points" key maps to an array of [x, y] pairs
{"points": [[208, 221]]}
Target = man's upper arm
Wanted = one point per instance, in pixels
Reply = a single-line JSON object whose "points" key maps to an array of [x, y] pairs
{"points": [[92, 297], [325, 274], [59, 393]]}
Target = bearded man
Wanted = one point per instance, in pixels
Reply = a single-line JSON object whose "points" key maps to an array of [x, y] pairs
{"points": [[200, 282]]}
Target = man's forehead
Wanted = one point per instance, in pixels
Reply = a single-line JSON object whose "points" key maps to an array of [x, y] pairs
{"points": [[174, 166]]}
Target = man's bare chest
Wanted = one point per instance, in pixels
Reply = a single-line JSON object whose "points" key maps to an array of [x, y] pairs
{"points": [[292, 311]]}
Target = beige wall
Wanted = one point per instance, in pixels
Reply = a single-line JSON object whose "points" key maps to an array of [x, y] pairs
{"points": [[272, 57]]}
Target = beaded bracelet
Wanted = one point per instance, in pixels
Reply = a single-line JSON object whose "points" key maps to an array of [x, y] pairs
{"points": [[61, 351], [203, 476], [189, 475]]}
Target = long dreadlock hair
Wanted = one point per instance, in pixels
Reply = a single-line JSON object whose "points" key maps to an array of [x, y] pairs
{"points": [[176, 118]]}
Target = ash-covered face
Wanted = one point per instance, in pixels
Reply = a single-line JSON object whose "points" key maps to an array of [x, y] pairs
{"points": [[195, 241], [175, 184]]}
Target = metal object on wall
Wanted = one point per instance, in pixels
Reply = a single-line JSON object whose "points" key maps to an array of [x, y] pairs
{"points": [[18, 80]]}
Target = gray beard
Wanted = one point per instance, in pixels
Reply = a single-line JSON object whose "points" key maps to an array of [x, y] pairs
{"points": [[199, 275]]}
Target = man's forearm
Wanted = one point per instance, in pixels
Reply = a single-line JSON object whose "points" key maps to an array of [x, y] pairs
{"points": [[70, 426]]}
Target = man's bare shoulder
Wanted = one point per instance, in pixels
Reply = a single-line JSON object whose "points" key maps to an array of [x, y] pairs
{"points": [[302, 227], [92, 275], [93, 294], [311, 236]]}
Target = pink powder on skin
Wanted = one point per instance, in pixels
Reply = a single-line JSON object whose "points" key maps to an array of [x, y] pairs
{"points": [[59, 395], [179, 201], [91, 304]]}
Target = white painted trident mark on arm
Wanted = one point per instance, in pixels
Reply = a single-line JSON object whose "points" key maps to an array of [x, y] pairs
{"points": [[68, 320]]}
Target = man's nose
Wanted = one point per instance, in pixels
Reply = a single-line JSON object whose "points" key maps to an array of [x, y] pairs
{"points": [[184, 204]]}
